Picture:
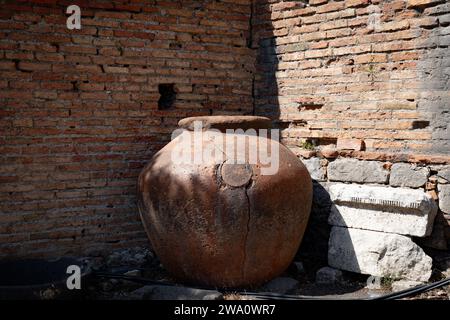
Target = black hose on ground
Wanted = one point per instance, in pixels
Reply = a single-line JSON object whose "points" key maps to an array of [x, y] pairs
{"points": [[276, 296], [413, 291]]}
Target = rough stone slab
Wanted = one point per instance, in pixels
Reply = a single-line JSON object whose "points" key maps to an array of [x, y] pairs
{"points": [[353, 170], [407, 175], [281, 285], [159, 292], [315, 169], [444, 198], [377, 253], [386, 209], [327, 275]]}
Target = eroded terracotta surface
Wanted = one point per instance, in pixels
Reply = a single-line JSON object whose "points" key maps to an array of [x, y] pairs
{"points": [[224, 225]]}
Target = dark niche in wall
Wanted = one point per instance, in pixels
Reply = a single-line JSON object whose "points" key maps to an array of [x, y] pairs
{"points": [[168, 96]]}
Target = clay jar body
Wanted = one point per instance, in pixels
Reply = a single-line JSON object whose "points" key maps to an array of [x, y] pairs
{"points": [[224, 224]]}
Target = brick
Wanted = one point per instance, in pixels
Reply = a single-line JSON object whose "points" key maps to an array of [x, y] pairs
{"points": [[330, 7], [7, 65], [371, 58], [32, 66], [356, 3], [350, 144], [392, 26], [421, 3], [424, 22], [317, 2]]}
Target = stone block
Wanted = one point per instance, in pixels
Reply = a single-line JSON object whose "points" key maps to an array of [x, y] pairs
{"points": [[377, 253], [352, 170], [315, 169], [407, 175], [444, 198], [378, 208]]}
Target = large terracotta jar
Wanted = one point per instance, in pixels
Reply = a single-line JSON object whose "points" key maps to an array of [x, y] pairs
{"points": [[223, 223]]}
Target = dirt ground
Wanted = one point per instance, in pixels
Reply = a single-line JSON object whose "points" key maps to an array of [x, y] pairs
{"points": [[352, 286]]}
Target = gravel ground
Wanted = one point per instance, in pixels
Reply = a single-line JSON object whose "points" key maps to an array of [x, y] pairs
{"points": [[144, 264]]}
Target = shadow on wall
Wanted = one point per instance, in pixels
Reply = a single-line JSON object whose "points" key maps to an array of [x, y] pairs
{"points": [[433, 72], [313, 251], [265, 85], [314, 248]]}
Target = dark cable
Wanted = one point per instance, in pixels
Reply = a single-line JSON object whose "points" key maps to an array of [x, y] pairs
{"points": [[277, 296]]}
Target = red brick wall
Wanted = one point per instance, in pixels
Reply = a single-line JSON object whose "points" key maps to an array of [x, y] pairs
{"points": [[79, 111], [374, 70]]}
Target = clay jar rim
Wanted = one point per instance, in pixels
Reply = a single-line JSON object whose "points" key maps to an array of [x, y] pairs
{"points": [[222, 123]]}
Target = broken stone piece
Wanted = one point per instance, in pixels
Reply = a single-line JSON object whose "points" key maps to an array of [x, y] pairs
{"points": [[133, 273], [444, 175], [327, 275], [281, 285], [299, 267], [377, 253], [396, 210], [161, 292]]}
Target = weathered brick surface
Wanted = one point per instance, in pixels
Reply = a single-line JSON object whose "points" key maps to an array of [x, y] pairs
{"points": [[79, 111], [379, 68]]}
